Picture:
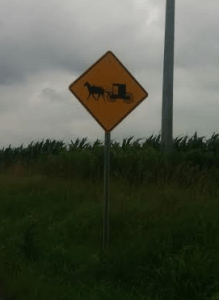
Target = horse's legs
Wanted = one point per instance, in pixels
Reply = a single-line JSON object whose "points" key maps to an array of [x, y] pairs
{"points": [[95, 97], [103, 96]]}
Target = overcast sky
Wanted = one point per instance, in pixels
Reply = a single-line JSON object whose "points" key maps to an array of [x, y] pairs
{"points": [[46, 45]]}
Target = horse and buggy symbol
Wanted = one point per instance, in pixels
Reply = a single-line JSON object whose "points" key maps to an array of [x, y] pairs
{"points": [[118, 91]]}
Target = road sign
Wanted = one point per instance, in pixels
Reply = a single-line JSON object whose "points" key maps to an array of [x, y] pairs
{"points": [[108, 91]]}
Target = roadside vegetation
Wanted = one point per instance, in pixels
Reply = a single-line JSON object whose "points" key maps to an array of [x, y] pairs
{"points": [[164, 225]]}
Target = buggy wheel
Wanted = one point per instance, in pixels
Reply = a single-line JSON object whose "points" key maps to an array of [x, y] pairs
{"points": [[129, 98], [109, 98]]}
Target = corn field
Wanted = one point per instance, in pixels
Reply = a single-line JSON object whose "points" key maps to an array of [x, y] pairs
{"points": [[134, 161]]}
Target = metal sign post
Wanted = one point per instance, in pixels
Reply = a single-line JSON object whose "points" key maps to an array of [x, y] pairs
{"points": [[106, 191], [109, 92]]}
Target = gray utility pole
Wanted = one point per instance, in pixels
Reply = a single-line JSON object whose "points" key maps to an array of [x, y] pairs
{"points": [[167, 102]]}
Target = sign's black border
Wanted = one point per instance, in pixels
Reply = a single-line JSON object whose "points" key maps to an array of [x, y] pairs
{"points": [[71, 85]]}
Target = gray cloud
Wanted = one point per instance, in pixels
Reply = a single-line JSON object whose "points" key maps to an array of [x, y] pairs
{"points": [[46, 45], [197, 33], [41, 36]]}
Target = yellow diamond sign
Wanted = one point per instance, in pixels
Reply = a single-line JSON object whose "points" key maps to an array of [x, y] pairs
{"points": [[108, 91]]}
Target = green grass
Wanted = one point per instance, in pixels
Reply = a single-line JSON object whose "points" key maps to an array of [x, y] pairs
{"points": [[164, 236]]}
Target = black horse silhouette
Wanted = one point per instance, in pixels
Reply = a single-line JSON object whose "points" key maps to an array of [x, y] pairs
{"points": [[94, 90]]}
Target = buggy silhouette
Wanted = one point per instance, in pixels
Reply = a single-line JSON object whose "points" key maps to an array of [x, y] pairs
{"points": [[121, 93]]}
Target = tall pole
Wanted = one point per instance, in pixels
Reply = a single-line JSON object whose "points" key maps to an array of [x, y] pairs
{"points": [[168, 68], [106, 191]]}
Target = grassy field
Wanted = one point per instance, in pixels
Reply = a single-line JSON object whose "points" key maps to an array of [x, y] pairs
{"points": [[164, 239], [164, 224]]}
